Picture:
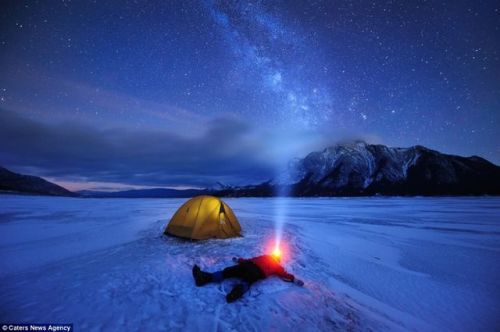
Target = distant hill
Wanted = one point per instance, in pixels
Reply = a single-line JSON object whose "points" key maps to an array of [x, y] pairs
{"points": [[361, 169], [26, 184], [145, 193], [15, 183]]}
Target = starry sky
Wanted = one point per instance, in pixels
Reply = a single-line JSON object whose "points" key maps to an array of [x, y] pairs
{"points": [[111, 95]]}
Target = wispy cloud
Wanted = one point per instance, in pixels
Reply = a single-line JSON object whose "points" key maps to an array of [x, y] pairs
{"points": [[226, 152]]}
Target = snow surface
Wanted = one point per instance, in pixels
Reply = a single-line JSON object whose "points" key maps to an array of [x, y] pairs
{"points": [[424, 264]]}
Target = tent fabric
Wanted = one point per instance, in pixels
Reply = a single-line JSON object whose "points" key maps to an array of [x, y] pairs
{"points": [[204, 217]]}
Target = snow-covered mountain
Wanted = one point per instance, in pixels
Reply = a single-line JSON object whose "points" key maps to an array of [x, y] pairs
{"points": [[27, 184], [358, 168], [361, 168]]}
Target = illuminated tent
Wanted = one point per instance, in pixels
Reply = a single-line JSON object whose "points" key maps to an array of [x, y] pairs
{"points": [[204, 217]]}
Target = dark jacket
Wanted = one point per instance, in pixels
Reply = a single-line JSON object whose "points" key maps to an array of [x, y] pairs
{"points": [[269, 266]]}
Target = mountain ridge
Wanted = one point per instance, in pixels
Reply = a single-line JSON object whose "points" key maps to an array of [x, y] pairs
{"points": [[11, 182], [361, 169]]}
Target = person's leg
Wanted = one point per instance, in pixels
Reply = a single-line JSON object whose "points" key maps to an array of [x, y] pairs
{"points": [[246, 271], [237, 291], [249, 273], [202, 278]]}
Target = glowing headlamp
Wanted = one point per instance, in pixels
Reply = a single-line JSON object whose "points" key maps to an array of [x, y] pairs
{"points": [[276, 252]]}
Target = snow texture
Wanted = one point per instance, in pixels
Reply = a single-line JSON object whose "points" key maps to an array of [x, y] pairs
{"points": [[369, 264]]}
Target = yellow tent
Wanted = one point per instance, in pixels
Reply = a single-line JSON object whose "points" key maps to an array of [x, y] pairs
{"points": [[204, 217]]}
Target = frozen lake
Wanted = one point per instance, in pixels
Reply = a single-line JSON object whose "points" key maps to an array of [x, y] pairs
{"points": [[425, 264]]}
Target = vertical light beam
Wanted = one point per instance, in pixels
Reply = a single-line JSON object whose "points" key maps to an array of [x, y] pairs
{"points": [[282, 191]]}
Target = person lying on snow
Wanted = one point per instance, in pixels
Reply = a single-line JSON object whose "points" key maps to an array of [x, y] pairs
{"points": [[249, 271]]}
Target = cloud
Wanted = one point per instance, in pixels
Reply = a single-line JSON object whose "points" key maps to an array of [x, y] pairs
{"points": [[226, 151]]}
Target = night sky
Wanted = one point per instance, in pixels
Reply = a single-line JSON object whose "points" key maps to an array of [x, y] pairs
{"points": [[117, 94]]}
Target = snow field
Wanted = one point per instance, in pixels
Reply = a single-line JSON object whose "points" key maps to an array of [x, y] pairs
{"points": [[424, 264]]}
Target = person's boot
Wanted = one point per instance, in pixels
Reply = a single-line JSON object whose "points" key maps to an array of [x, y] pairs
{"points": [[235, 293], [201, 278]]}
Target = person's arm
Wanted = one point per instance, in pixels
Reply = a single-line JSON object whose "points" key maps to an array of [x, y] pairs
{"points": [[288, 277], [238, 259]]}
